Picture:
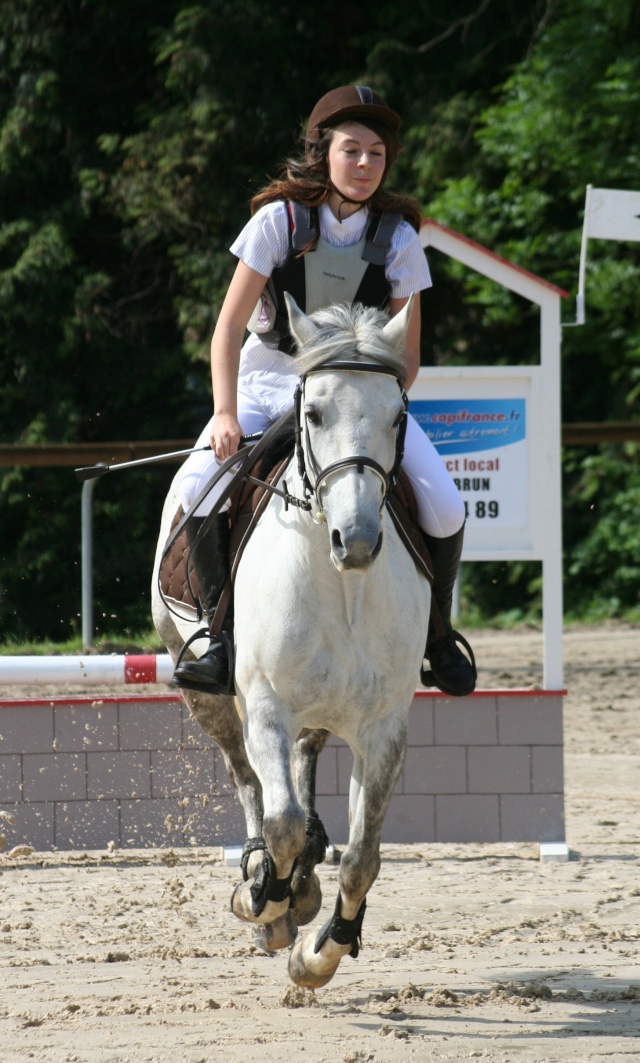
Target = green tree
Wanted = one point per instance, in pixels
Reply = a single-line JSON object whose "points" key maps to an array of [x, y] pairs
{"points": [[132, 137], [566, 117], [75, 363]]}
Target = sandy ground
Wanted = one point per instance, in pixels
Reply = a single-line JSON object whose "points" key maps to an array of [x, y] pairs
{"points": [[471, 952]]}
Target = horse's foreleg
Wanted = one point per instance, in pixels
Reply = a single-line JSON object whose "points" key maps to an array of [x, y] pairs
{"points": [[267, 895], [315, 958], [305, 886]]}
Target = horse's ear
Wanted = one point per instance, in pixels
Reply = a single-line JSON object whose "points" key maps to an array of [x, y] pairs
{"points": [[395, 331], [302, 327]]}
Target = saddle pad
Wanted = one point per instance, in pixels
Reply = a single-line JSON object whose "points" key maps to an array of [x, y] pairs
{"points": [[173, 581], [404, 514], [247, 503]]}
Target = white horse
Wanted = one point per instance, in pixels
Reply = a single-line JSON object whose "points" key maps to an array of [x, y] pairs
{"points": [[331, 619]]}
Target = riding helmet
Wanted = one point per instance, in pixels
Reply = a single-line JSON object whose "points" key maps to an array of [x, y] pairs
{"points": [[352, 101]]}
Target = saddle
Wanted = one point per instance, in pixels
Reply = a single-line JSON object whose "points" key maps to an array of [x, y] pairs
{"points": [[179, 581]]}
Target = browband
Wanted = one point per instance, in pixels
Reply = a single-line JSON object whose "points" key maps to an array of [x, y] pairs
{"points": [[353, 367]]}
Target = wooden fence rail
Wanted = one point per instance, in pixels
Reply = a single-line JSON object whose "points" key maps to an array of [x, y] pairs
{"points": [[77, 454]]}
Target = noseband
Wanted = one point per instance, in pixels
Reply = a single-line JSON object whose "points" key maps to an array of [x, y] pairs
{"points": [[358, 462]]}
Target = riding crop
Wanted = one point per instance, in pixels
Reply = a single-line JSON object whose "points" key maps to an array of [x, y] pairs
{"points": [[92, 472]]}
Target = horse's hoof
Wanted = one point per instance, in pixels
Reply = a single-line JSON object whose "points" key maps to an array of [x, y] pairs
{"points": [[314, 969], [280, 934], [307, 897], [242, 907]]}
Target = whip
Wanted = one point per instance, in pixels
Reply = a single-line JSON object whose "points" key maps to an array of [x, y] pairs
{"points": [[92, 472]]}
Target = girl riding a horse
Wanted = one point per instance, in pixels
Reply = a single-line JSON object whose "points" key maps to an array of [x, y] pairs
{"points": [[327, 232]]}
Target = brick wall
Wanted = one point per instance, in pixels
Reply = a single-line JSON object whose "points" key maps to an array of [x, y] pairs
{"points": [[81, 772]]}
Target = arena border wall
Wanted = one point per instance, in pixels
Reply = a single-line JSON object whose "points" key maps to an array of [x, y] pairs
{"points": [[79, 772]]}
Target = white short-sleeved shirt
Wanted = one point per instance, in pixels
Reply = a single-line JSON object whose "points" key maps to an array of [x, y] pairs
{"points": [[263, 245]]}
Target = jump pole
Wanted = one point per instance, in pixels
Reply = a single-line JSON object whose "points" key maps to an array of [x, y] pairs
{"points": [[88, 670]]}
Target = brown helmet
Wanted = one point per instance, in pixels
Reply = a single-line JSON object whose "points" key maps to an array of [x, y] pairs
{"points": [[351, 101]]}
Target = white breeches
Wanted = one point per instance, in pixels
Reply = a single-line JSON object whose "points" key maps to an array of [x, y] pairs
{"points": [[440, 507]]}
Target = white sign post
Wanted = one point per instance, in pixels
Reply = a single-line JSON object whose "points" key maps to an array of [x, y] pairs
{"points": [[498, 430], [609, 214]]}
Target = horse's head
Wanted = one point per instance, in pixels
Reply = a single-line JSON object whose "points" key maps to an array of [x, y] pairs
{"points": [[351, 418]]}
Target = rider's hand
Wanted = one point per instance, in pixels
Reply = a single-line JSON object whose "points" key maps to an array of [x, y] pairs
{"points": [[225, 435]]}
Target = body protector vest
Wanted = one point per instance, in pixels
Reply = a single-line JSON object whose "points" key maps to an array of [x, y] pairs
{"points": [[324, 276]]}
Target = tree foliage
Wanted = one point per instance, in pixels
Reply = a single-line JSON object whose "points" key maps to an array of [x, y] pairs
{"points": [[132, 137], [565, 118]]}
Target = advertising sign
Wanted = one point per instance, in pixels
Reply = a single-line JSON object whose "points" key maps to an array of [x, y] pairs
{"points": [[483, 443], [487, 425], [497, 429]]}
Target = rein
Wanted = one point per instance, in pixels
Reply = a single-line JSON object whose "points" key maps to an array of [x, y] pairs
{"points": [[240, 464], [359, 461]]}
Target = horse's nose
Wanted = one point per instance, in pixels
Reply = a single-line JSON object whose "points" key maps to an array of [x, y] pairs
{"points": [[355, 549]]}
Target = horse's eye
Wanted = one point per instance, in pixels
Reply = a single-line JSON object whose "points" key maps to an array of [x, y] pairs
{"points": [[398, 420], [312, 415]]}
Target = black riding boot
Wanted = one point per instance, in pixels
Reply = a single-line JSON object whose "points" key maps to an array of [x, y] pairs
{"points": [[450, 670], [211, 673]]}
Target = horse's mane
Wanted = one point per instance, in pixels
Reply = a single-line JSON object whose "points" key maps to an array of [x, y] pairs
{"points": [[350, 332]]}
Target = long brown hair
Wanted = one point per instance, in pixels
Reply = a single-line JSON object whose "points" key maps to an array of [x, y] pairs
{"points": [[305, 177]]}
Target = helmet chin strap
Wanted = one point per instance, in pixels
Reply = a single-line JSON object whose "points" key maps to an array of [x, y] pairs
{"points": [[345, 199]]}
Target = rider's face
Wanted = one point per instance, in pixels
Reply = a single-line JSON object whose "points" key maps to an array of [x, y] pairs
{"points": [[356, 163]]}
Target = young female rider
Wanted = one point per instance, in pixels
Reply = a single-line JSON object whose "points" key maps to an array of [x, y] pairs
{"points": [[316, 232]]}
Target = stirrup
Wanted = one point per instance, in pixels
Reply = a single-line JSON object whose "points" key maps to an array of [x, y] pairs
{"points": [[201, 633], [428, 679], [206, 688]]}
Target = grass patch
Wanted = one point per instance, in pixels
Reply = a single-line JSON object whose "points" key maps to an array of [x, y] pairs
{"points": [[111, 642]]}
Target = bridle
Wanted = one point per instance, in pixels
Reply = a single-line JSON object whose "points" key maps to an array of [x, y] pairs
{"points": [[359, 462]]}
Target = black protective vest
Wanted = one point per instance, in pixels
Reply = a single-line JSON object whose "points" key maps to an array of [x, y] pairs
{"points": [[374, 288]]}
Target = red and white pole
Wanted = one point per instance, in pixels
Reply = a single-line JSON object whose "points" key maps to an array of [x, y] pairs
{"points": [[89, 669]]}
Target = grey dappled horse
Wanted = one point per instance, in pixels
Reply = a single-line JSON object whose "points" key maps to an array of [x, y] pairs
{"points": [[331, 620]]}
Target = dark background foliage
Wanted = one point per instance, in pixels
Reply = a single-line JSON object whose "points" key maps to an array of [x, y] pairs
{"points": [[132, 137]]}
